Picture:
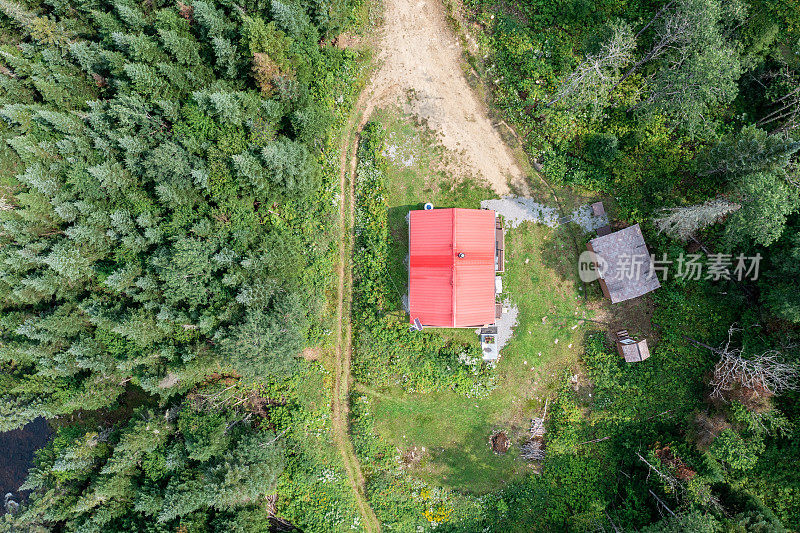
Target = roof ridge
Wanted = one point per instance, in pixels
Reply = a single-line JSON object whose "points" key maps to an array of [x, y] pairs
{"points": [[453, 268]]}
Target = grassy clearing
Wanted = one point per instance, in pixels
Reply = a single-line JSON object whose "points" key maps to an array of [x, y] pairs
{"points": [[540, 279]]}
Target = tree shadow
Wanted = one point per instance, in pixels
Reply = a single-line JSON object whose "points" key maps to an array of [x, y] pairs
{"points": [[398, 251]]}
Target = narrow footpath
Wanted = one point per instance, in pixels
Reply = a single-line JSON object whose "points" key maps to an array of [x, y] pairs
{"points": [[340, 402]]}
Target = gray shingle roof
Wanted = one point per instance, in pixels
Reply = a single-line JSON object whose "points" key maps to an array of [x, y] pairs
{"points": [[633, 351], [629, 270]]}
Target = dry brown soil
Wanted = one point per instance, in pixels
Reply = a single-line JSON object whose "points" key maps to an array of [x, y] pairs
{"points": [[421, 69]]}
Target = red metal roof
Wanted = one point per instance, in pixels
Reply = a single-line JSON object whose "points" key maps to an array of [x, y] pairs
{"points": [[446, 290]]}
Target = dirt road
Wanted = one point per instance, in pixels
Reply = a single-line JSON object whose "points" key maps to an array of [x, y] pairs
{"points": [[340, 401], [421, 69]]}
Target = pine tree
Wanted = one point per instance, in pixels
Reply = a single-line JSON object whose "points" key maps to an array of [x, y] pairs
{"points": [[247, 472], [226, 106], [139, 47], [41, 179], [130, 14], [145, 80], [249, 167], [177, 76], [267, 340], [227, 56], [749, 150], [684, 222], [212, 20], [779, 280], [122, 265], [60, 122], [143, 436], [291, 166], [294, 21], [112, 176], [70, 263], [205, 433], [183, 49], [767, 200]]}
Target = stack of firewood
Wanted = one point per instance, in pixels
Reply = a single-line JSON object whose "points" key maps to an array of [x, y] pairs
{"points": [[534, 448]]}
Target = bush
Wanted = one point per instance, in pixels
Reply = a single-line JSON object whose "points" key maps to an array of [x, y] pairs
{"points": [[602, 148]]}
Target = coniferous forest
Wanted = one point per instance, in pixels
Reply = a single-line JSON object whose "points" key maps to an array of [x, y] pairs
{"points": [[166, 242], [169, 241]]}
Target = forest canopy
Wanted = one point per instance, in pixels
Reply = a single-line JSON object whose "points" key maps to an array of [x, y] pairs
{"points": [[165, 198], [164, 250]]}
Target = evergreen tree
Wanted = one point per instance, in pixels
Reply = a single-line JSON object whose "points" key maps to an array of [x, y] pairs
{"points": [[291, 166], [683, 222], [268, 339], [249, 167], [767, 200], [749, 150], [780, 278]]}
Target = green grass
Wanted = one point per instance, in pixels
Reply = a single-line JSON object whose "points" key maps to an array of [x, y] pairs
{"points": [[419, 172], [455, 430]]}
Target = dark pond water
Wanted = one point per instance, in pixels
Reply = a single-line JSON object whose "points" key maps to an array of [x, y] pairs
{"points": [[16, 455]]}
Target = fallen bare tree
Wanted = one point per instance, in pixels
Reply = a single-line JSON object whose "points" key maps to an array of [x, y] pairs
{"points": [[763, 374], [785, 113], [683, 222], [592, 81], [766, 371], [678, 487]]}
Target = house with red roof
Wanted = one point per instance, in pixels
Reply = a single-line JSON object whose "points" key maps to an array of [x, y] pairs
{"points": [[454, 255]]}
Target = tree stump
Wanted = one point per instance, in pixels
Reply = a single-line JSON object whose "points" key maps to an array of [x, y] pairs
{"points": [[500, 442]]}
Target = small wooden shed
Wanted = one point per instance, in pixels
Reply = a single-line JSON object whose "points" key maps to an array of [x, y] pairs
{"points": [[626, 271], [631, 350]]}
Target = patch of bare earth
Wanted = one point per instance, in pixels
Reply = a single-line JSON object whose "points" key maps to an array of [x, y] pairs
{"points": [[312, 353], [635, 316], [500, 442], [420, 70], [412, 456]]}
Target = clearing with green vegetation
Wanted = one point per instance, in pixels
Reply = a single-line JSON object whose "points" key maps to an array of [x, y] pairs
{"points": [[203, 265]]}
